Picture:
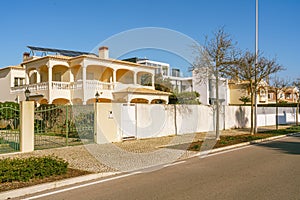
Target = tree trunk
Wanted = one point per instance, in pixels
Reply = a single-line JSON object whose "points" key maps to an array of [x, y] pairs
{"points": [[175, 119], [217, 108], [276, 115], [255, 110], [251, 90]]}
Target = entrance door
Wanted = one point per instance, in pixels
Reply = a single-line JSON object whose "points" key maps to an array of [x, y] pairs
{"points": [[128, 121]]}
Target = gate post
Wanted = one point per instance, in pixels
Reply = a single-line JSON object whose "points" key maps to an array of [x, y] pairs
{"points": [[27, 126], [105, 126]]}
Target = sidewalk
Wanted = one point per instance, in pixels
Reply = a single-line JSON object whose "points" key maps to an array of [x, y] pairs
{"points": [[127, 155]]}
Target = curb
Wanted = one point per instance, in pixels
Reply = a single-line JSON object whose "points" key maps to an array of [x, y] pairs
{"points": [[47, 186]]}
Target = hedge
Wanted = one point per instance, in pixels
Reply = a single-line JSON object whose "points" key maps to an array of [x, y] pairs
{"points": [[24, 169]]}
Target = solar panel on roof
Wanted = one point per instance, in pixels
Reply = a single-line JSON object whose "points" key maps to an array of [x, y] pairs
{"points": [[60, 51]]}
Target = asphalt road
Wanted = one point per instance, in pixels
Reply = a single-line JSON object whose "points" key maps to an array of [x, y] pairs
{"points": [[266, 171]]}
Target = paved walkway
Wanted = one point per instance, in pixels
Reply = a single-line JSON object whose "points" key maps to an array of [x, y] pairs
{"points": [[128, 155]]}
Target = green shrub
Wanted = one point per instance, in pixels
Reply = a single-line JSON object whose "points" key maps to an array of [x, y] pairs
{"points": [[24, 169]]}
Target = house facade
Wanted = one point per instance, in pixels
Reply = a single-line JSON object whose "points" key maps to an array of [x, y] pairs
{"points": [[240, 89], [205, 87], [70, 77], [287, 95]]}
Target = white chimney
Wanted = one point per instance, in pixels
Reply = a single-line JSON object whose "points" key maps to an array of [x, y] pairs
{"points": [[26, 56], [103, 52]]}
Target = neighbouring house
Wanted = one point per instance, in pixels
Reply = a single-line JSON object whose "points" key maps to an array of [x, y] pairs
{"points": [[72, 77], [287, 95], [240, 89], [178, 82], [206, 88]]}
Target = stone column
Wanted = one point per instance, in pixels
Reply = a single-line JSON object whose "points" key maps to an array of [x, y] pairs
{"points": [[153, 80], [84, 99], [49, 65], [27, 126], [114, 78], [26, 78], [38, 76], [135, 78]]}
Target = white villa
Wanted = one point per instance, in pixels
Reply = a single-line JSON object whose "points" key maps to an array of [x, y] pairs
{"points": [[206, 88], [72, 77]]}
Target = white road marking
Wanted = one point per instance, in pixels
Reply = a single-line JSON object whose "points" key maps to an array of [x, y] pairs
{"points": [[175, 163], [81, 186], [203, 155]]}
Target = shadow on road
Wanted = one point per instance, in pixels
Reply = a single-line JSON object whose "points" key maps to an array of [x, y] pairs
{"points": [[285, 146]]}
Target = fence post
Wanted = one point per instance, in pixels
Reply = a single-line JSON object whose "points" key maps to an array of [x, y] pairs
{"points": [[27, 126]]}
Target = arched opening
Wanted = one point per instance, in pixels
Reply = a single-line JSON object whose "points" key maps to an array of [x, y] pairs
{"points": [[60, 101], [60, 73], [43, 101], [158, 101], [99, 73], [125, 76], [101, 100], [139, 100], [144, 78], [107, 75], [44, 73], [76, 72], [32, 74]]}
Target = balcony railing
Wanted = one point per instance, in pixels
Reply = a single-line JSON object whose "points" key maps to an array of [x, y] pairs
{"points": [[98, 85], [56, 85], [61, 85], [31, 87]]}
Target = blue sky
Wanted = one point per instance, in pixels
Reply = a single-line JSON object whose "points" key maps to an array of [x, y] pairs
{"points": [[81, 25]]}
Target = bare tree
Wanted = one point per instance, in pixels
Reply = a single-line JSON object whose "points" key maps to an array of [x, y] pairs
{"points": [[277, 85], [254, 72], [212, 61]]}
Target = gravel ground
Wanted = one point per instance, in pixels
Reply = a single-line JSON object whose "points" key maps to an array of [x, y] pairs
{"points": [[128, 155]]}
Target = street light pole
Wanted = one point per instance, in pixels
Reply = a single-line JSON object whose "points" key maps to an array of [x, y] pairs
{"points": [[256, 61]]}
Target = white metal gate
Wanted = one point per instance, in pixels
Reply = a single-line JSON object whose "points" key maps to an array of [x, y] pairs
{"points": [[128, 121]]}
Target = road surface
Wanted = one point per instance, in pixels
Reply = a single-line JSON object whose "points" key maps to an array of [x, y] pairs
{"points": [[266, 171]]}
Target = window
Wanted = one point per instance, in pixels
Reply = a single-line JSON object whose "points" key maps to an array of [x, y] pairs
{"points": [[18, 81], [262, 93], [288, 96], [157, 71]]}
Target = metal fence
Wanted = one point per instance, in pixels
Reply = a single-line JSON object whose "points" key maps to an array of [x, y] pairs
{"points": [[65, 125], [9, 127]]}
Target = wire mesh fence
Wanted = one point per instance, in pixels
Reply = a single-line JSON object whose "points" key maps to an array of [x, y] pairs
{"points": [[9, 127], [64, 125]]}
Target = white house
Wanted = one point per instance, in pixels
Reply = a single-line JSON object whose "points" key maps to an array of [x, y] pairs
{"points": [[72, 77], [205, 87]]}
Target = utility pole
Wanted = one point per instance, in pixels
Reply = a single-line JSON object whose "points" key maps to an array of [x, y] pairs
{"points": [[256, 60]]}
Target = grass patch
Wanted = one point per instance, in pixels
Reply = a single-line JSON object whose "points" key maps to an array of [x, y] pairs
{"points": [[231, 140]]}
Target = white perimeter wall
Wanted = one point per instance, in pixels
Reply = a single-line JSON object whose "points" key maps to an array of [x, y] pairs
{"points": [[156, 120], [159, 120]]}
